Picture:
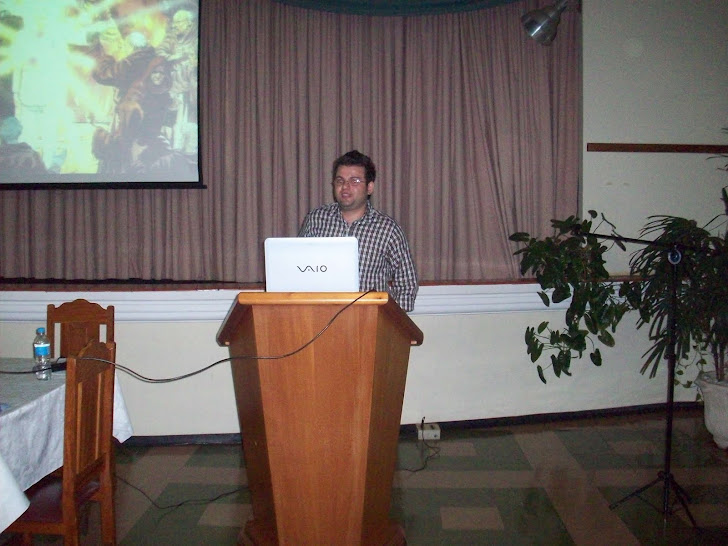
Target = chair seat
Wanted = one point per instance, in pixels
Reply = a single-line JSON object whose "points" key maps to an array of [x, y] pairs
{"points": [[45, 500]]}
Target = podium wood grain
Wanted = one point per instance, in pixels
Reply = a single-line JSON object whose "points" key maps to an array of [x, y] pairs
{"points": [[320, 426]]}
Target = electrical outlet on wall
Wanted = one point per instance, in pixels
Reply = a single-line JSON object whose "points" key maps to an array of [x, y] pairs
{"points": [[428, 431]]}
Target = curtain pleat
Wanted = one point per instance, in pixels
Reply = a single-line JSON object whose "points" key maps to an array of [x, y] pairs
{"points": [[474, 128]]}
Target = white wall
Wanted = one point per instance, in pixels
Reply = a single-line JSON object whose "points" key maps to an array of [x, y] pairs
{"points": [[472, 365], [654, 71]]}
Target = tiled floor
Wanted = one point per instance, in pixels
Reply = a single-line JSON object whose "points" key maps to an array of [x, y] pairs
{"points": [[528, 484]]}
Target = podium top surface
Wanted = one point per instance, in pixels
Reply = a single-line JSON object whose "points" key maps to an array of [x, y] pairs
{"points": [[245, 300], [311, 298]]}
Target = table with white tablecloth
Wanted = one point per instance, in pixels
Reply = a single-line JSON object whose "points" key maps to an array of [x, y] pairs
{"points": [[31, 431]]}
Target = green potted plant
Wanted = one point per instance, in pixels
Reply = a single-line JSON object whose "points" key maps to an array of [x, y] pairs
{"points": [[571, 264]]}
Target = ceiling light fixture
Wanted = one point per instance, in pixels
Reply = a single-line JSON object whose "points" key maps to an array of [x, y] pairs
{"points": [[540, 24]]}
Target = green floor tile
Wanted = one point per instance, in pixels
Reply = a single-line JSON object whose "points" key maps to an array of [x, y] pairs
{"points": [[527, 514], [129, 454], [217, 455]]}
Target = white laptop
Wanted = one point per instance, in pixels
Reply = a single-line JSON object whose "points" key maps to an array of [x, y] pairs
{"points": [[311, 264]]}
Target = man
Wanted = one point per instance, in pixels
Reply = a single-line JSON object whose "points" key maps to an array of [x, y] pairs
{"points": [[385, 263], [143, 102], [179, 48]]}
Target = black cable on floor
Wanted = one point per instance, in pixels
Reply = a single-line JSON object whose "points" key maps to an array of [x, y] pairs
{"points": [[183, 503]]}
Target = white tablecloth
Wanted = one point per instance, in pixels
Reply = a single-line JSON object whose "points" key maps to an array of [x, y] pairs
{"points": [[13, 501], [31, 432]]}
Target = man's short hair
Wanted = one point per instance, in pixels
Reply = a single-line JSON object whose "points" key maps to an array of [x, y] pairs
{"points": [[355, 158]]}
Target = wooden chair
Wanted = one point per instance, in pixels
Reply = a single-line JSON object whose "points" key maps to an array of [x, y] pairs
{"points": [[88, 459], [80, 321]]}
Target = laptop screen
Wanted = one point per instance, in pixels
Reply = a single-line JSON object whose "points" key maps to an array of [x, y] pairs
{"points": [[311, 264]]}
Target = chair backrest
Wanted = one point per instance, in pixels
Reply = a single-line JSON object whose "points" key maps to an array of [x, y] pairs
{"points": [[87, 442], [80, 321]]}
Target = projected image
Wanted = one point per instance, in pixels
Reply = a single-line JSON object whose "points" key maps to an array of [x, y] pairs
{"points": [[98, 91]]}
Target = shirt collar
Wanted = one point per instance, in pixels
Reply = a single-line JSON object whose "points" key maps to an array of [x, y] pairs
{"points": [[368, 214]]}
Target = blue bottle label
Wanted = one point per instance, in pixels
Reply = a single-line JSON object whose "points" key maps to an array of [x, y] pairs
{"points": [[42, 350]]}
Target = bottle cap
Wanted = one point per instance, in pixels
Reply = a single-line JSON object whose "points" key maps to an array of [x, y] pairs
{"points": [[40, 331]]}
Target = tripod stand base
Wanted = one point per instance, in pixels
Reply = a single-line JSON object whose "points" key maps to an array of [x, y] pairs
{"points": [[669, 484]]}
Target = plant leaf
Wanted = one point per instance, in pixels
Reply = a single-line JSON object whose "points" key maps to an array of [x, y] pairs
{"points": [[556, 366], [544, 298], [561, 293], [536, 351], [590, 323], [606, 338], [596, 357], [564, 359], [520, 237]]}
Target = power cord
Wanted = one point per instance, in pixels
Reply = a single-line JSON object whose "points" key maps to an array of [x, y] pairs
{"points": [[183, 503]]}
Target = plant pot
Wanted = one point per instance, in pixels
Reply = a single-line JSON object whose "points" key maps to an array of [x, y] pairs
{"points": [[715, 395]]}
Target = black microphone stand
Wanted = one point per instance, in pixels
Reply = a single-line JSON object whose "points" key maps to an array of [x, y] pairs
{"points": [[674, 257]]}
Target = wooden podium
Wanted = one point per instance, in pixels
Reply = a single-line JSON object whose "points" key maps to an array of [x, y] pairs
{"points": [[320, 426]]}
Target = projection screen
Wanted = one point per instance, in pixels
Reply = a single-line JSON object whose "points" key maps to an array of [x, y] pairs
{"points": [[99, 93]]}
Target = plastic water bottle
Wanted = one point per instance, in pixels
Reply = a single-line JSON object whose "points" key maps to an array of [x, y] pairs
{"points": [[42, 355]]}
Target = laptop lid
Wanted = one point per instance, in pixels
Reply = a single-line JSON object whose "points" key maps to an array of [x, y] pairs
{"points": [[311, 264]]}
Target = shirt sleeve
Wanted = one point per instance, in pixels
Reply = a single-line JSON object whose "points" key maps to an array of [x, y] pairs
{"points": [[305, 230], [404, 280]]}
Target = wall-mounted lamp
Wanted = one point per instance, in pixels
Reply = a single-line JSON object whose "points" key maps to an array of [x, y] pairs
{"points": [[540, 24]]}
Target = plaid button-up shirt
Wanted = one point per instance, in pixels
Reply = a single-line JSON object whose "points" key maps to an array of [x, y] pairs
{"points": [[385, 262]]}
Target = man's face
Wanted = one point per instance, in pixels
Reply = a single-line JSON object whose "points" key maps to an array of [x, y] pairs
{"points": [[351, 196], [157, 76], [181, 23]]}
